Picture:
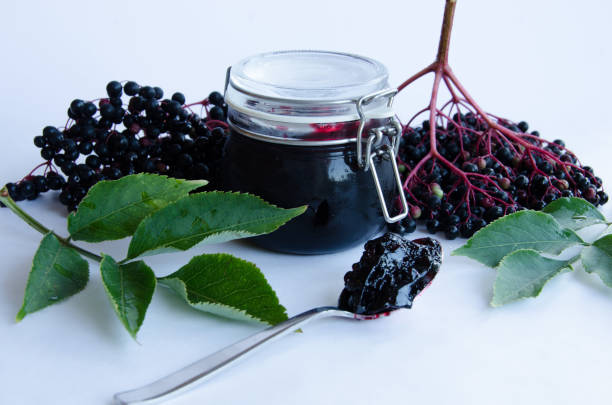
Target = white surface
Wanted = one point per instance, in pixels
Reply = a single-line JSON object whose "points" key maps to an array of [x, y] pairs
{"points": [[546, 62]]}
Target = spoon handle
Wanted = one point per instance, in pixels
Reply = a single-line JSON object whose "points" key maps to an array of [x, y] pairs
{"points": [[176, 383]]}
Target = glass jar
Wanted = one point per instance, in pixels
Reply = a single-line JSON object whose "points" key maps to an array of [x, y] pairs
{"points": [[315, 128]]}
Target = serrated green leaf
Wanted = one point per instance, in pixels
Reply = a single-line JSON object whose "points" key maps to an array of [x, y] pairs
{"points": [[522, 274], [574, 213], [210, 217], [57, 273], [597, 259], [113, 209], [227, 286], [129, 288], [521, 230]]}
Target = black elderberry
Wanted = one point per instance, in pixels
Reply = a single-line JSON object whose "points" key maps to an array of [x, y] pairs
{"points": [[27, 189], [72, 115], [55, 181], [84, 172], [118, 143], [114, 89], [118, 115], [67, 198], [179, 98], [68, 168], [93, 161], [540, 183], [76, 106], [147, 92], [85, 147], [550, 197], [88, 132], [136, 104], [583, 182], [39, 142], [69, 145], [72, 155], [89, 110], [505, 155], [493, 213], [112, 173], [478, 223], [559, 142], [216, 98], [131, 88], [47, 153], [403, 227], [447, 208], [453, 220], [11, 188], [434, 202], [102, 149], [470, 168], [433, 225], [74, 179], [107, 111], [159, 93], [115, 102], [452, 232], [40, 184]]}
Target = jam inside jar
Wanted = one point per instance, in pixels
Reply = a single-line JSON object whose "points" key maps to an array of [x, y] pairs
{"points": [[314, 128]]}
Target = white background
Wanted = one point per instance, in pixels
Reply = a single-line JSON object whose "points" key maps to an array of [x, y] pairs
{"points": [[547, 62]]}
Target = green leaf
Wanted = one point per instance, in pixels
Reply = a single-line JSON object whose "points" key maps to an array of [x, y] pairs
{"points": [[522, 274], [227, 286], [597, 259], [113, 209], [574, 213], [212, 217], [130, 288], [521, 230], [57, 273]]}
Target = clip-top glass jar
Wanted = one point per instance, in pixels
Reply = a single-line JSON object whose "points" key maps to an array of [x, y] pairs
{"points": [[315, 128]]}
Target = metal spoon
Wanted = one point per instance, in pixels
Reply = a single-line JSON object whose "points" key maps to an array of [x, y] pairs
{"points": [[415, 278], [180, 381]]}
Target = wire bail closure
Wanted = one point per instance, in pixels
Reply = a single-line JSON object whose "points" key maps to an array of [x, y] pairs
{"points": [[375, 147]]}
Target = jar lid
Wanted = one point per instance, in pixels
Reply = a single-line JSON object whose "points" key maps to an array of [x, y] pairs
{"points": [[306, 86]]}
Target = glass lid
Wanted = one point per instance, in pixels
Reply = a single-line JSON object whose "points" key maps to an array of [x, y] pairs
{"points": [[305, 86], [309, 75]]}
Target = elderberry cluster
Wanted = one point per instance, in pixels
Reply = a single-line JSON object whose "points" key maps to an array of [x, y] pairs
{"points": [[108, 139], [479, 175]]}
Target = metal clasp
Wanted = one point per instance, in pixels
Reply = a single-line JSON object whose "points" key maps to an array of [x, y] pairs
{"points": [[375, 147], [395, 130], [387, 149]]}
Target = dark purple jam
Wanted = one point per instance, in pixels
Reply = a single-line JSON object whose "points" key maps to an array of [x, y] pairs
{"points": [[343, 206], [391, 272]]}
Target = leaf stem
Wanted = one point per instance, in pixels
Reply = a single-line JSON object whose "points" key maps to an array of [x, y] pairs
{"points": [[6, 199]]}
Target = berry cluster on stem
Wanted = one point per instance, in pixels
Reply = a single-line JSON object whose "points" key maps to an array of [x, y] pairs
{"points": [[107, 139], [463, 167]]}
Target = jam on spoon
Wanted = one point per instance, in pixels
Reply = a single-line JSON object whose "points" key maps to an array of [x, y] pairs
{"points": [[391, 273]]}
